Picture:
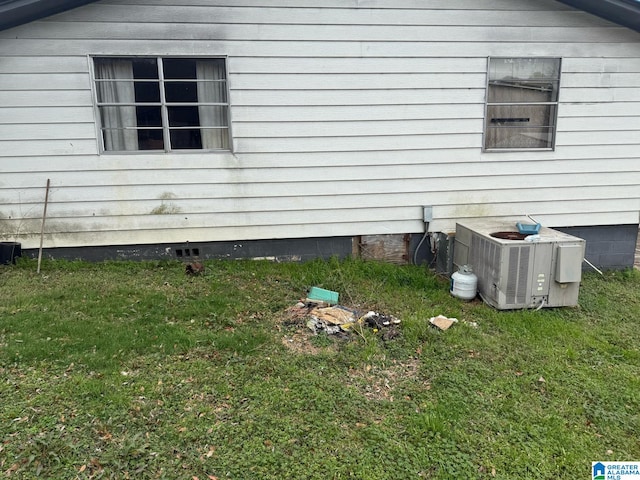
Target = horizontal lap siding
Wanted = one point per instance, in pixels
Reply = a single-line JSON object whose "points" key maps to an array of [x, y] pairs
{"points": [[347, 117]]}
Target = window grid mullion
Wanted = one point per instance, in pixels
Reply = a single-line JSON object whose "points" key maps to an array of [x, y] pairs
{"points": [[163, 108], [520, 104]]}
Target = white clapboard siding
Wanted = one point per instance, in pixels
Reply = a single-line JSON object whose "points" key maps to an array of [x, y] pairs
{"points": [[189, 197], [45, 98], [38, 64], [357, 143], [349, 81], [608, 109], [362, 65], [124, 234], [328, 48], [233, 13], [600, 65], [345, 113], [46, 115], [599, 94], [356, 175], [603, 137], [567, 159], [347, 117], [14, 149], [318, 32], [603, 80], [49, 81], [350, 129], [592, 124], [358, 97], [78, 208], [44, 131]]}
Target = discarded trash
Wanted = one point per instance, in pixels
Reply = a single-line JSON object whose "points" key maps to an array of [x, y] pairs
{"points": [[317, 325], [378, 320], [328, 296], [194, 268], [338, 319], [442, 322], [321, 313], [334, 315]]}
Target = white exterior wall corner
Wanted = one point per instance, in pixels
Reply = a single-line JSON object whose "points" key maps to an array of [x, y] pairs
{"points": [[347, 119]]}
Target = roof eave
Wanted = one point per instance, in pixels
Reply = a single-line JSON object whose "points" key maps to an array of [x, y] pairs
{"points": [[18, 12], [621, 12]]}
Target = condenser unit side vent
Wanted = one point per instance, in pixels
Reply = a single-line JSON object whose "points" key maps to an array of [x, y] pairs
{"points": [[518, 275], [485, 257]]}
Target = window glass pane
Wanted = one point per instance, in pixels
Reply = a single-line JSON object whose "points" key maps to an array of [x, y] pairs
{"points": [[181, 92], [115, 91], [501, 91], [113, 68], [149, 116], [119, 117], [215, 138], [147, 92], [145, 68], [213, 116], [521, 115], [524, 68], [118, 139], [517, 137], [151, 139], [212, 91], [183, 116], [179, 68], [185, 138], [201, 138]]}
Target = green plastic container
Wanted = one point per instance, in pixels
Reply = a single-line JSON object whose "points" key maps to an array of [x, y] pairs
{"points": [[317, 293]]}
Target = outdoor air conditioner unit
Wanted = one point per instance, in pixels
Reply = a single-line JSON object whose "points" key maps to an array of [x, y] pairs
{"points": [[517, 273]]}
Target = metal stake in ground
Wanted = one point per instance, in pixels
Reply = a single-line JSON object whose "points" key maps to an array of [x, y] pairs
{"points": [[44, 216]]}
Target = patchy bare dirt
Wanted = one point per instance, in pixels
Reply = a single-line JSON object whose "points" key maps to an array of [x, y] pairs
{"points": [[374, 382], [300, 343], [377, 383]]}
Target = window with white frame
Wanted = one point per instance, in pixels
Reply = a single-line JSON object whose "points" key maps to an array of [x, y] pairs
{"points": [[522, 103], [162, 103]]}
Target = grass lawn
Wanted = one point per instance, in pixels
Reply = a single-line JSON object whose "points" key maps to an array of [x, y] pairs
{"points": [[136, 370]]}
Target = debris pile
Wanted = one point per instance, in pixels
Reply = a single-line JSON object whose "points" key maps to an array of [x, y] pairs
{"points": [[323, 315], [320, 312]]}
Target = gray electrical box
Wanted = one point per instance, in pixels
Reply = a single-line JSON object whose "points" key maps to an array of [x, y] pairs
{"points": [[518, 272]]}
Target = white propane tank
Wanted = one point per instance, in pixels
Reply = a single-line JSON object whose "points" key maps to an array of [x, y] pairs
{"points": [[464, 283]]}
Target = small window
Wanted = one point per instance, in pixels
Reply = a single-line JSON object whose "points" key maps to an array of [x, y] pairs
{"points": [[162, 104], [522, 103]]}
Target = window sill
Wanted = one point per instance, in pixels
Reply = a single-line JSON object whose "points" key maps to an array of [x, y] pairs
{"points": [[506, 150], [163, 152]]}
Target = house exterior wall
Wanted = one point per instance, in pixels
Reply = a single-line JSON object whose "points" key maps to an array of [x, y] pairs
{"points": [[347, 118]]}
